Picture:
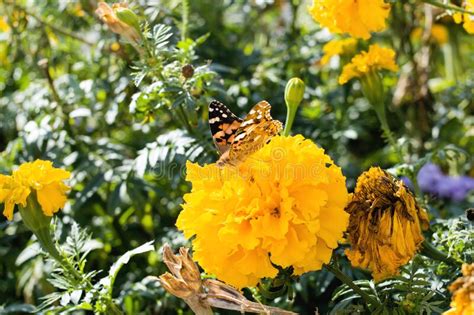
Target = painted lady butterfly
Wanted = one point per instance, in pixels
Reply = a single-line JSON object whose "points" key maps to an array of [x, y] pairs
{"points": [[237, 138]]}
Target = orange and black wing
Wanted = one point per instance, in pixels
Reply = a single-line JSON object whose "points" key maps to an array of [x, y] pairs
{"points": [[223, 124]]}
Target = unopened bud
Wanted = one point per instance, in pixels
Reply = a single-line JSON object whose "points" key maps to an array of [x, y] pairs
{"points": [[294, 92], [372, 87], [128, 17]]}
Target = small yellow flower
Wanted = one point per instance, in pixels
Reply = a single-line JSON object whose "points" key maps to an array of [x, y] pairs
{"points": [[462, 289], [128, 28], [283, 205], [39, 178], [385, 224], [377, 58], [357, 18], [338, 47], [465, 17], [439, 34], [4, 27]]}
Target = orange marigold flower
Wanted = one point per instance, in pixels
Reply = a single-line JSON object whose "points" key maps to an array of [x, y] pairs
{"points": [[283, 205], [39, 178], [357, 18], [462, 289], [385, 224], [338, 47], [465, 18], [373, 60]]}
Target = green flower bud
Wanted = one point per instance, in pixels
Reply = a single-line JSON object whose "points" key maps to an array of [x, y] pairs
{"points": [[37, 222], [33, 216], [128, 17], [294, 92], [373, 90]]}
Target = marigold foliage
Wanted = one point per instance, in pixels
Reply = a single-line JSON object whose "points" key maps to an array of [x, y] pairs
{"points": [[283, 205], [357, 18], [375, 59], [466, 19], [40, 177], [385, 225], [463, 293], [338, 47]]}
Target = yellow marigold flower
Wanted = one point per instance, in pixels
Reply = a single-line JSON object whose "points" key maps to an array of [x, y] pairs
{"points": [[385, 224], [283, 205], [377, 58], [338, 47], [462, 289], [39, 178], [468, 19], [357, 18]]}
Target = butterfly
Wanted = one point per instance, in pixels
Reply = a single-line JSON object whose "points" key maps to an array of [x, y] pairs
{"points": [[237, 138]]}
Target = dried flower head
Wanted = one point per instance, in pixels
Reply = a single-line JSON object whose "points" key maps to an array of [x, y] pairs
{"points": [[126, 25], [283, 205], [462, 302], [185, 282], [385, 224]]}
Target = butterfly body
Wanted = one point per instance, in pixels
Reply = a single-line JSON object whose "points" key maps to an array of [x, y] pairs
{"points": [[237, 138]]}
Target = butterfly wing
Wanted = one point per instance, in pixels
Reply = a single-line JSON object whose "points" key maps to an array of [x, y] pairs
{"points": [[255, 130], [223, 124]]}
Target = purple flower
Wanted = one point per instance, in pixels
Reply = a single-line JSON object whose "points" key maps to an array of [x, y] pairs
{"points": [[429, 177], [432, 180]]}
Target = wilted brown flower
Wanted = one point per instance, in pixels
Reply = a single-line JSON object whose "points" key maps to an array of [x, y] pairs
{"points": [[120, 20], [462, 289], [185, 282], [385, 224]]}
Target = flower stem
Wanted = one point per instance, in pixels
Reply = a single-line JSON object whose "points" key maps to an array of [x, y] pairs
{"points": [[348, 281], [430, 251], [290, 117], [380, 110], [447, 6]]}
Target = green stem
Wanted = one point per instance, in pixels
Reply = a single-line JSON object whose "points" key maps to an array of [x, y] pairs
{"points": [[290, 117], [380, 110], [185, 17], [348, 281], [430, 251], [447, 6], [114, 309]]}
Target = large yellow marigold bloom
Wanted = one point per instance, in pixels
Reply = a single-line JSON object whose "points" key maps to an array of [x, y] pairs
{"points": [[38, 177], [466, 19], [462, 289], [283, 205], [356, 17], [385, 224], [376, 59], [338, 47]]}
